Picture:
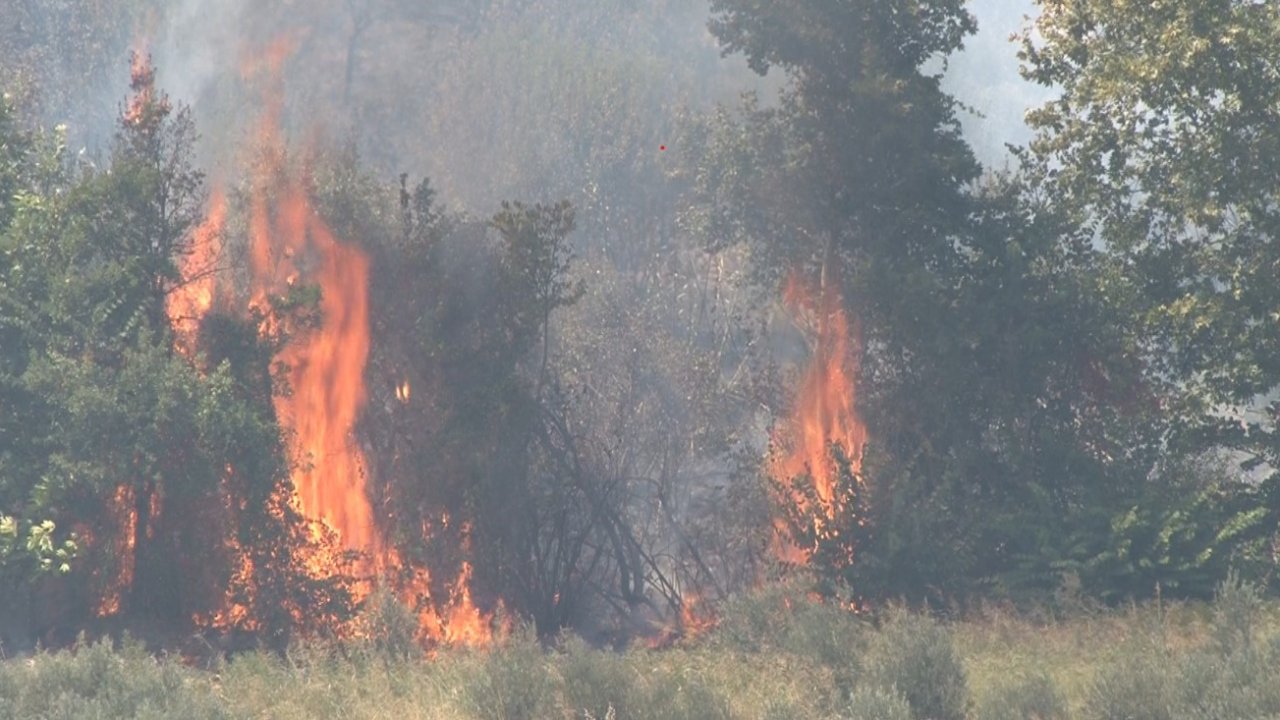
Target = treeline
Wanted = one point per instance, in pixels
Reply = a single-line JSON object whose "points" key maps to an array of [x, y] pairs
{"points": [[1066, 371]]}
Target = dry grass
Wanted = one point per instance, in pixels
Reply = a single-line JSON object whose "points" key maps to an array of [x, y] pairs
{"points": [[785, 662]]}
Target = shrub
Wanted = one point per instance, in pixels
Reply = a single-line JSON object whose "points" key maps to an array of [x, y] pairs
{"points": [[757, 620], [780, 617], [386, 628], [95, 681], [1034, 697], [595, 682], [915, 655], [1139, 686], [874, 703], [515, 682], [1236, 610], [674, 695], [1238, 684]]}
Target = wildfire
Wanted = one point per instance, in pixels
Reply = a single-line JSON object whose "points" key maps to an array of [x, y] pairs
{"points": [[122, 512], [290, 246], [326, 364], [694, 619], [824, 414], [145, 105], [190, 301]]}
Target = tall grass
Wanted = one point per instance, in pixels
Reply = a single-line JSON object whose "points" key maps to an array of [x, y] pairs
{"points": [[775, 656]]}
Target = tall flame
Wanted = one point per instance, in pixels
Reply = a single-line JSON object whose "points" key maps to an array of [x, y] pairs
{"points": [[825, 413], [192, 298], [290, 243], [326, 364]]}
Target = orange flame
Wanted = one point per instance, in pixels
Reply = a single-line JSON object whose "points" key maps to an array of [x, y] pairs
{"points": [[121, 510], [290, 243], [192, 298], [825, 413], [695, 619], [326, 365]]}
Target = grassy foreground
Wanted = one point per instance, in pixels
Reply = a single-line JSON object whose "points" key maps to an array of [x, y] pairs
{"points": [[774, 655]]}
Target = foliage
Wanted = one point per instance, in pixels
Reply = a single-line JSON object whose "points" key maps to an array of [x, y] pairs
{"points": [[914, 655], [1157, 146], [596, 683], [876, 704], [1033, 697], [387, 629], [97, 680], [37, 547], [514, 683], [1107, 665], [170, 468]]}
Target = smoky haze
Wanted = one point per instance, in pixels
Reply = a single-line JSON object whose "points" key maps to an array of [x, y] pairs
{"points": [[486, 98]]}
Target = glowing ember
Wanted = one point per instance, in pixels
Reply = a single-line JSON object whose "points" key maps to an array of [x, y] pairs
{"points": [[122, 511], [824, 414], [402, 392], [145, 106], [694, 619]]}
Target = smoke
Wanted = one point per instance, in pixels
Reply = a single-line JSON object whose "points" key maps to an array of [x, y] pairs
{"points": [[985, 77], [492, 99], [197, 46]]}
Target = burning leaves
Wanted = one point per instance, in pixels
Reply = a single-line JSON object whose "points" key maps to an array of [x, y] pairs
{"points": [[824, 437], [309, 296], [189, 302]]}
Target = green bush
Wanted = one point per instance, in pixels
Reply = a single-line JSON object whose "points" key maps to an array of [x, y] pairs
{"points": [[1141, 685], [676, 695], [914, 655], [1034, 697], [757, 620], [783, 618], [873, 703], [1212, 687], [1237, 608], [595, 682], [515, 682], [96, 681], [386, 628]]}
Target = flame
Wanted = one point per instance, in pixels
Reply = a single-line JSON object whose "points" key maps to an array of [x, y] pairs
{"points": [[824, 413], [694, 619], [291, 247], [291, 244], [121, 510], [326, 365], [192, 298], [146, 107]]}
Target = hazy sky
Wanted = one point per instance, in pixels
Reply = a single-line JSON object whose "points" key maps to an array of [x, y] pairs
{"points": [[985, 76]]}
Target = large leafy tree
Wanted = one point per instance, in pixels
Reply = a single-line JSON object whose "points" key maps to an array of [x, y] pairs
{"points": [[998, 383], [1162, 144]]}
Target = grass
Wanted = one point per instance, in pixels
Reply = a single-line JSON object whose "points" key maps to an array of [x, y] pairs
{"points": [[775, 656]]}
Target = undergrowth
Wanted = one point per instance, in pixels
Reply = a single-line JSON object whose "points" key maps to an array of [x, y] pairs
{"points": [[775, 655]]}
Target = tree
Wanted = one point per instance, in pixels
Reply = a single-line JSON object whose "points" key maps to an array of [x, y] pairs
{"points": [[1161, 144], [171, 468]]}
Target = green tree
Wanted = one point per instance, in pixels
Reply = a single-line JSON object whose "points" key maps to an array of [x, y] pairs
{"points": [[171, 468], [1161, 144], [1007, 413]]}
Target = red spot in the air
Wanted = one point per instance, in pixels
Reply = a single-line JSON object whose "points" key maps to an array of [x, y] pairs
{"points": [[662, 147]]}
